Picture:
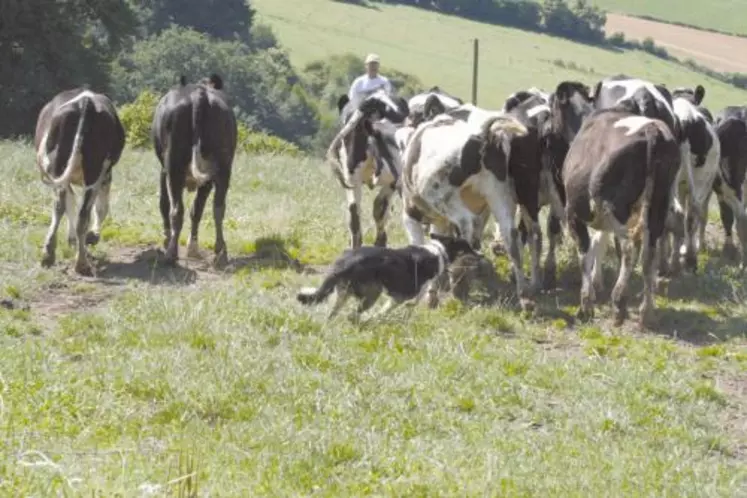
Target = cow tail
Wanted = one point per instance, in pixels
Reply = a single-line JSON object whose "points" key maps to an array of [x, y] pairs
{"points": [[200, 165], [75, 160], [311, 296], [652, 136], [411, 156]]}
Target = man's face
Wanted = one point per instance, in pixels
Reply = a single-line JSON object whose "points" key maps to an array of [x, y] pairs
{"points": [[372, 68]]}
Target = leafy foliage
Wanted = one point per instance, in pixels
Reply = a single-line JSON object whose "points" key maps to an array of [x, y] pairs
{"points": [[253, 142], [137, 117], [262, 86]]}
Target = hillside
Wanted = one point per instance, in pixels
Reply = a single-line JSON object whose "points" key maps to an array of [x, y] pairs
{"points": [[720, 52], [722, 15], [438, 50]]}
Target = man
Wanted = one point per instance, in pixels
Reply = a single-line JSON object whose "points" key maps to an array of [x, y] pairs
{"points": [[366, 84]]}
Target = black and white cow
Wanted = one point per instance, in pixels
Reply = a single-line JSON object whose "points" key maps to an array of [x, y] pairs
{"points": [[424, 107], [701, 154], [618, 178], [731, 127], [552, 119], [453, 175], [365, 151], [78, 140], [194, 132]]}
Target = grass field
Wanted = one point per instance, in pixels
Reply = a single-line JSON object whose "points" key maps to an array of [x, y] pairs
{"points": [[146, 380], [723, 15], [438, 49]]}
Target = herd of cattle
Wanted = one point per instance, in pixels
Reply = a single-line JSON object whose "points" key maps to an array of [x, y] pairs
{"points": [[627, 158]]}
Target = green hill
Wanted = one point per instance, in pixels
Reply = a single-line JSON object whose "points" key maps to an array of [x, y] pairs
{"points": [[438, 49], [721, 15]]}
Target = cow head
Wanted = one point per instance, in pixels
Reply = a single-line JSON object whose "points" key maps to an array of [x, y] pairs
{"points": [[693, 95], [427, 105], [569, 106]]}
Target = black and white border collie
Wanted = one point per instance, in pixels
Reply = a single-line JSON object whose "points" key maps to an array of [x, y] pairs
{"points": [[403, 272]]}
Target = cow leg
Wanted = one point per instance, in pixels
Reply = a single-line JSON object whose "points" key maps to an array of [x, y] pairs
{"points": [[381, 213], [599, 250], [730, 202], [195, 215], [620, 291], [71, 212], [503, 207], [648, 269], [534, 236], [50, 243], [219, 213], [101, 211], [165, 206], [580, 232], [175, 186], [553, 235], [354, 201], [412, 219], [701, 244], [692, 222], [82, 264], [439, 282]]}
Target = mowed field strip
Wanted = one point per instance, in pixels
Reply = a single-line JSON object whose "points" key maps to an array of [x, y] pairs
{"points": [[438, 49], [148, 380], [720, 52], [724, 15]]}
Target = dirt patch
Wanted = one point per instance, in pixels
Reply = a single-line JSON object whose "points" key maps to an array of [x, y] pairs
{"points": [[717, 51]]}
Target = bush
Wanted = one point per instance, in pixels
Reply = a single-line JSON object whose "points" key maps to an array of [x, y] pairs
{"points": [[137, 117], [255, 142]]}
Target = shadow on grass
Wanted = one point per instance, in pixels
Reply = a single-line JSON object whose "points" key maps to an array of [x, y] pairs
{"points": [[268, 252], [144, 265], [358, 3]]}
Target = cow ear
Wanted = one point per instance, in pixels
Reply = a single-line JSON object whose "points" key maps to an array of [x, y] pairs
{"points": [[342, 102], [432, 107], [563, 93], [699, 94], [216, 81]]}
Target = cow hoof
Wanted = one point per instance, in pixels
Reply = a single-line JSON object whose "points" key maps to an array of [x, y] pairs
{"points": [[72, 241], [193, 250], [498, 249], [381, 240], [170, 257], [646, 319], [620, 316], [220, 260], [83, 268], [691, 262], [584, 315], [730, 252], [48, 260], [92, 238], [527, 304]]}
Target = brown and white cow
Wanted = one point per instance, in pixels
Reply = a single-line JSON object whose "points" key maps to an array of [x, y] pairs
{"points": [[78, 140], [618, 177], [194, 132], [455, 176]]}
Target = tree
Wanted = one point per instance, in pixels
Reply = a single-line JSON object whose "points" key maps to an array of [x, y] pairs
{"points": [[222, 19], [51, 45], [262, 86]]}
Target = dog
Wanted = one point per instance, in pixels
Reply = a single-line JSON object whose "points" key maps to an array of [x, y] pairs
{"points": [[367, 271]]}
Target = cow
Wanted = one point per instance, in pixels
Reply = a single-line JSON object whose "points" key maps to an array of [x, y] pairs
{"points": [[618, 176], [194, 132], [701, 154], [365, 151], [452, 175], [426, 105], [553, 119], [729, 186], [79, 139]]}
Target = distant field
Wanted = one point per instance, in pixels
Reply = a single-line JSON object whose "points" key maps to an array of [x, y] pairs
{"points": [[720, 52], [438, 49], [724, 15]]}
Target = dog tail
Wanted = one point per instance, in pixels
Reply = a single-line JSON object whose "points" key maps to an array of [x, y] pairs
{"points": [[310, 295]]}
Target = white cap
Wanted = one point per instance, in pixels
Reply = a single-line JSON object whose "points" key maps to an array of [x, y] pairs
{"points": [[372, 58]]}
